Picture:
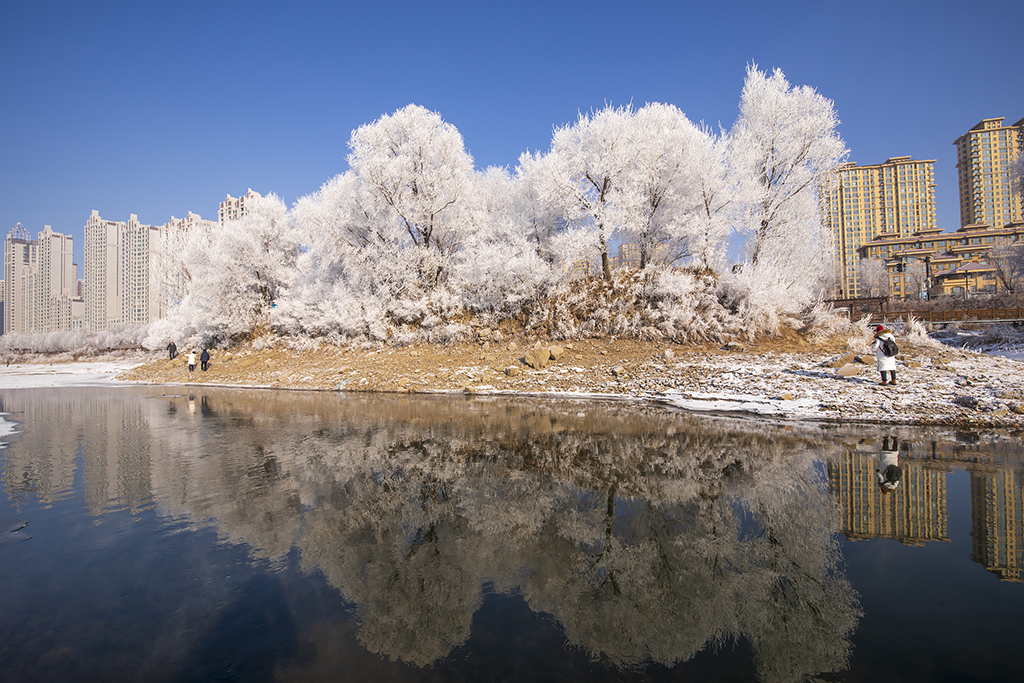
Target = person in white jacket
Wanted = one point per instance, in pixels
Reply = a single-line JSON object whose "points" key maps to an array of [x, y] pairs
{"points": [[885, 363]]}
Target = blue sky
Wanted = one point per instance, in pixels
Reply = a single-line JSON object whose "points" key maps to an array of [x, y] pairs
{"points": [[160, 108]]}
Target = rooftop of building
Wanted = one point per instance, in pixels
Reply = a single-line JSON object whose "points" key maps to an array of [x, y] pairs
{"points": [[888, 162], [938, 233]]}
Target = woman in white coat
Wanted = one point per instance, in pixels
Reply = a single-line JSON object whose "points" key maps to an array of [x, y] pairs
{"points": [[885, 363]]}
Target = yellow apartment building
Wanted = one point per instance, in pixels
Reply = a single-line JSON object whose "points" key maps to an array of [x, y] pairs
{"points": [[895, 197], [983, 158]]}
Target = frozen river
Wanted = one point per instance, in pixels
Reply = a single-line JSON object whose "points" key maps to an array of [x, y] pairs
{"points": [[216, 534]]}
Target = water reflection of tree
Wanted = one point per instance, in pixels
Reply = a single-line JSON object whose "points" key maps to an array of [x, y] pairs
{"points": [[648, 535], [643, 547]]}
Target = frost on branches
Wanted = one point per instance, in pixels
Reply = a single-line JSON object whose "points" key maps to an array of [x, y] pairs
{"points": [[412, 239], [783, 148]]}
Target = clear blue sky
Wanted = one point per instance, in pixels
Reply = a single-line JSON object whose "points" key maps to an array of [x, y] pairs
{"points": [[160, 108]]}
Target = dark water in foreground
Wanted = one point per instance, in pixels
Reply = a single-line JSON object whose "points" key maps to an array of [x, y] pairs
{"points": [[261, 536]]}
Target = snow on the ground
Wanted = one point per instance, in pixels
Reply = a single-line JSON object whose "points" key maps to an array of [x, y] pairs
{"points": [[1014, 354], [47, 375], [786, 386]]}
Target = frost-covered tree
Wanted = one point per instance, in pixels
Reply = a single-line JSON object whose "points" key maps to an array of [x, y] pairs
{"points": [[874, 278], [340, 245], [500, 264], [1017, 176], [179, 246], [535, 207], [666, 183], [589, 166], [783, 147], [416, 188], [710, 223], [915, 278], [1008, 260], [236, 280]]}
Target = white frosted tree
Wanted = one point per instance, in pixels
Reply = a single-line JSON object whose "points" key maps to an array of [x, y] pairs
{"points": [[499, 265], [179, 247], [1017, 176], [237, 278], [589, 166], [340, 247], [784, 146], [873, 277], [915, 278], [1008, 260], [535, 207], [711, 220], [665, 183], [416, 187]]}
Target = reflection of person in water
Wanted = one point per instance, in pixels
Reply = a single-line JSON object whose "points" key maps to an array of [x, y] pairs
{"points": [[889, 473]]}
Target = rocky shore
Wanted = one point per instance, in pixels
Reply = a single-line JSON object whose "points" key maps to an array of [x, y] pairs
{"points": [[782, 379]]}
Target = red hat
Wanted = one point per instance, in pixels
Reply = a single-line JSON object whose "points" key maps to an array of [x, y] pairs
{"points": [[878, 328]]}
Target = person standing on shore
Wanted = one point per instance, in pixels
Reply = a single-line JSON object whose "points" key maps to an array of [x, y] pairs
{"points": [[191, 361], [885, 362], [172, 350], [204, 358]]}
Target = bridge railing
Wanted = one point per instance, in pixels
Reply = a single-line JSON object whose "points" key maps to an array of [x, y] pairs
{"points": [[993, 315]]}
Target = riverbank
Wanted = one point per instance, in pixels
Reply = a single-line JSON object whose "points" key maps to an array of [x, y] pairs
{"points": [[783, 379], [788, 378]]}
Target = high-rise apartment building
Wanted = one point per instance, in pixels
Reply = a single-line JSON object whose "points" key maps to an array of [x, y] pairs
{"points": [[983, 158], [233, 208], [40, 285], [894, 198], [118, 272], [129, 276]]}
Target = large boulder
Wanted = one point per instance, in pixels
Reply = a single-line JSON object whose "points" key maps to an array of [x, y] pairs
{"points": [[848, 370], [538, 358]]}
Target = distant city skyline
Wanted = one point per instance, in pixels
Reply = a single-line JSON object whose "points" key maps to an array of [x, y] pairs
{"points": [[162, 110]]}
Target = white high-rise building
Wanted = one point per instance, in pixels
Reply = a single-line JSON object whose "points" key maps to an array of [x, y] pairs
{"points": [[118, 272], [233, 208], [40, 287], [129, 273]]}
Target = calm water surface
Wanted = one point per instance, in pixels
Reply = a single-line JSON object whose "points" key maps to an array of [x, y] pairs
{"points": [[288, 536]]}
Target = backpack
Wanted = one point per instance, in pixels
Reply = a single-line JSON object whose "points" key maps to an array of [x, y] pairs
{"points": [[892, 474], [889, 347]]}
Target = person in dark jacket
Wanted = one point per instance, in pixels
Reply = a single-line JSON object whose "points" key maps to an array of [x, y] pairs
{"points": [[204, 359], [172, 351]]}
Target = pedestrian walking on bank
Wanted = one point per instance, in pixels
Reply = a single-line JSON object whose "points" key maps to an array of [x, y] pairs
{"points": [[191, 361], [885, 341], [172, 351], [204, 358]]}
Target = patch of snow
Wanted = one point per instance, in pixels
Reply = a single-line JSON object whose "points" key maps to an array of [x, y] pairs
{"points": [[48, 375]]}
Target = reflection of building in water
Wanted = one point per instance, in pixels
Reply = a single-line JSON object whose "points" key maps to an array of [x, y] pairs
{"points": [[997, 521], [912, 514], [116, 455]]}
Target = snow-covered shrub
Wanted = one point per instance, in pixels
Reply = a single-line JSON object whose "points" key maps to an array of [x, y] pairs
{"points": [[684, 305], [821, 322], [915, 332], [117, 337]]}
